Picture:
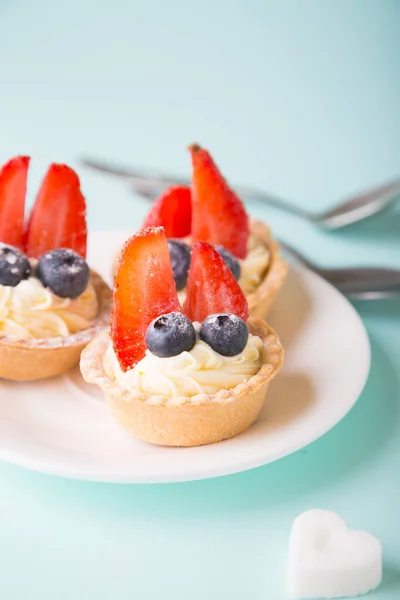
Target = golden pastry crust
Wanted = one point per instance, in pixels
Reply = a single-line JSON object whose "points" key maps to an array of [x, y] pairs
{"points": [[27, 360], [184, 421], [262, 298]]}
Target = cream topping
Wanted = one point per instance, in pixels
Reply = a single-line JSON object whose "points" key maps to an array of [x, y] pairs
{"points": [[254, 266], [29, 310], [202, 370]]}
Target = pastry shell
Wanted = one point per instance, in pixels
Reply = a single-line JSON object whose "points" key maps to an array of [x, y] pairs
{"points": [[184, 421], [27, 360], [262, 298]]}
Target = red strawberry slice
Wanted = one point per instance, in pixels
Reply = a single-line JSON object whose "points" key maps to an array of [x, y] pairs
{"points": [[211, 287], [58, 217], [173, 211], [144, 289], [219, 217], [13, 178]]}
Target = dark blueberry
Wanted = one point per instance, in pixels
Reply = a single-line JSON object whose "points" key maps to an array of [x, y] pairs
{"points": [[179, 253], [231, 261], [170, 335], [14, 266], [64, 272], [226, 334]]}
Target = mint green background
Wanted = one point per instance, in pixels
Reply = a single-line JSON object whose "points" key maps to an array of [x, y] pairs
{"points": [[301, 97]]}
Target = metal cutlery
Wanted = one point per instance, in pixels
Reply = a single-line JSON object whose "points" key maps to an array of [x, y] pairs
{"points": [[351, 210], [361, 283]]}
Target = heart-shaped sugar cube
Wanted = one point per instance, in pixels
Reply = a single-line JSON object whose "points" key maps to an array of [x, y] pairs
{"points": [[328, 560]]}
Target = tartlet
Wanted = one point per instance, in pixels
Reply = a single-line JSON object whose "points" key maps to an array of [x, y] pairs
{"points": [[43, 336], [144, 297], [27, 360], [210, 211], [183, 421]]}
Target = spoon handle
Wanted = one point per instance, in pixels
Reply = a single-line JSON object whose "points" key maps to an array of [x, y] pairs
{"points": [[365, 204], [371, 279], [151, 185], [376, 295], [366, 282]]}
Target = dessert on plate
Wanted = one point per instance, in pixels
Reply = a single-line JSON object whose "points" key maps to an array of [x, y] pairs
{"points": [[181, 376], [210, 211], [51, 303]]}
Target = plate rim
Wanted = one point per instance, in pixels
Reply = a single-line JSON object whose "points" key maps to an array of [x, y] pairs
{"points": [[204, 472]]}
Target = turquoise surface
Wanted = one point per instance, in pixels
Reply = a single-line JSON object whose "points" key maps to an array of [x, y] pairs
{"points": [[301, 98]]}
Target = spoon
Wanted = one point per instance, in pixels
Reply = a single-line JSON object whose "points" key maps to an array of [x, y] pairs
{"points": [[362, 283], [351, 210]]}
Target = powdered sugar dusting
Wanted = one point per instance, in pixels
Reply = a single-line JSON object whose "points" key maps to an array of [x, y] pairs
{"points": [[9, 253], [14, 265], [11, 259], [70, 266]]}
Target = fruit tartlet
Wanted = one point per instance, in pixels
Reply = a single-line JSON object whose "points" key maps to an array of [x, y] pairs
{"points": [[181, 376], [51, 304], [210, 211]]}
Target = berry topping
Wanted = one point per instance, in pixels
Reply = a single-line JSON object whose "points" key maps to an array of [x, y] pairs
{"points": [[173, 211], [14, 266], [179, 253], [58, 218], [13, 177], [231, 262], [211, 287], [226, 334], [219, 217], [144, 289], [170, 335], [64, 272]]}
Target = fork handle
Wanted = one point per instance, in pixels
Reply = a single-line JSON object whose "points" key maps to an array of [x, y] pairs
{"points": [[151, 188], [151, 185]]}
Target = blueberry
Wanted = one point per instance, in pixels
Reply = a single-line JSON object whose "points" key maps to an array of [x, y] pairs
{"points": [[170, 334], [14, 266], [64, 272], [179, 253], [231, 261], [226, 334]]}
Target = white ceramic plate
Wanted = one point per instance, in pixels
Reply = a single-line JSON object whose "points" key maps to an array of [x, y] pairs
{"points": [[62, 426]]}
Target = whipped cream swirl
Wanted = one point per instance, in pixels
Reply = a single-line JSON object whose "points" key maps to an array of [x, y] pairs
{"points": [[29, 310], [254, 266], [202, 370]]}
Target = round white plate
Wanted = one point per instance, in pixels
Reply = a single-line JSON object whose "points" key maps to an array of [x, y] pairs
{"points": [[62, 426]]}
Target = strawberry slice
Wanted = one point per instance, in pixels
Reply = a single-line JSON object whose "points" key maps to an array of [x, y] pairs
{"points": [[173, 211], [219, 217], [13, 178], [144, 289], [211, 287], [58, 217]]}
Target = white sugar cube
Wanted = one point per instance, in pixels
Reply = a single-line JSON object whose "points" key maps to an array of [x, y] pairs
{"points": [[328, 560]]}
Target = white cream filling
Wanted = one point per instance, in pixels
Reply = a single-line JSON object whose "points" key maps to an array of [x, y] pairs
{"points": [[252, 268], [29, 310], [202, 370]]}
